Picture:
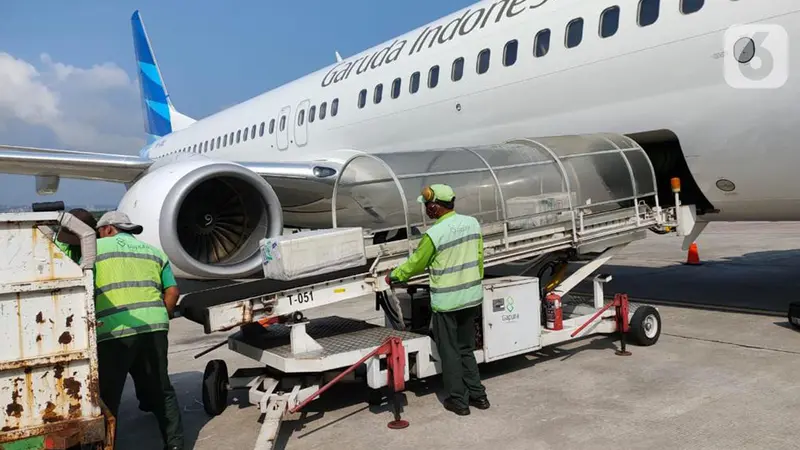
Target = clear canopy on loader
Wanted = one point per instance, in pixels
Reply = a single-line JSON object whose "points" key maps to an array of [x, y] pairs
{"points": [[524, 183]]}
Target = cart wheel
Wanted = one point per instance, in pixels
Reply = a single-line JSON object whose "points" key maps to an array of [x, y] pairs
{"points": [[645, 326], [215, 387]]}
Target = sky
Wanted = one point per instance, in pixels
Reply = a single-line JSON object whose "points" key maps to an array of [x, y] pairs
{"points": [[68, 80]]}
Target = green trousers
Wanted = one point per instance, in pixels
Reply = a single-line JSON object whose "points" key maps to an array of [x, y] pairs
{"points": [[454, 333], [145, 357]]}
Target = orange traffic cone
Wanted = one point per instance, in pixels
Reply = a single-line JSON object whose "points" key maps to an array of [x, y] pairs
{"points": [[693, 259]]}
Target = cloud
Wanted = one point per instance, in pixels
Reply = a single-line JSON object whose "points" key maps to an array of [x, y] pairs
{"points": [[91, 109]]}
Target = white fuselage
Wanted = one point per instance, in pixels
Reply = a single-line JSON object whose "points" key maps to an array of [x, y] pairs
{"points": [[665, 76]]}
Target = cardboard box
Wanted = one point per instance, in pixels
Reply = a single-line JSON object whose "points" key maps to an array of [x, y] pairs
{"points": [[310, 253]]}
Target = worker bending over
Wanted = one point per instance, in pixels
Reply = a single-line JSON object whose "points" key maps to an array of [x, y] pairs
{"points": [[135, 295], [68, 242], [453, 250]]}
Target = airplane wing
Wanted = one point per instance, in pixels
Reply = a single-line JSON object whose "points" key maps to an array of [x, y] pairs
{"points": [[125, 169], [71, 164]]}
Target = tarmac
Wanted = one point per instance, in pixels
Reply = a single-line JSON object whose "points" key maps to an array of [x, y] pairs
{"points": [[717, 379]]}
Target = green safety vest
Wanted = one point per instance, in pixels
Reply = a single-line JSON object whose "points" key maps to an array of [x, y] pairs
{"points": [[455, 277], [72, 252], [128, 291]]}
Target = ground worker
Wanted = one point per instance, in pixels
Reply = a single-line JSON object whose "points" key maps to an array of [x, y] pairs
{"points": [[70, 245], [67, 241], [136, 295], [453, 250]]}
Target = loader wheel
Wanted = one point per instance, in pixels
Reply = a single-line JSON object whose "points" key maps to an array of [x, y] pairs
{"points": [[645, 326], [215, 387], [794, 315]]}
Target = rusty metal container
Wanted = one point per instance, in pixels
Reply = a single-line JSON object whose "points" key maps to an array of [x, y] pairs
{"points": [[48, 359]]}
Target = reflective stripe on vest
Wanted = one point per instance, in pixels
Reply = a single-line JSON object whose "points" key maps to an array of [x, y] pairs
{"points": [[455, 277], [128, 290]]}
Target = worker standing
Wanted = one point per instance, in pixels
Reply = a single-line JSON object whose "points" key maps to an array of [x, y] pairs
{"points": [[453, 250], [135, 294]]}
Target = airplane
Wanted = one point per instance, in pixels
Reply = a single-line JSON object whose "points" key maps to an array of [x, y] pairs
{"points": [[206, 191]]}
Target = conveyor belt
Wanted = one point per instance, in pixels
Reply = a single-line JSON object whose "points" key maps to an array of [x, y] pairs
{"points": [[335, 334], [230, 306], [194, 305]]}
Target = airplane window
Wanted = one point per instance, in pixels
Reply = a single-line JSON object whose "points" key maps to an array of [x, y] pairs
{"points": [[245, 132], [691, 6], [212, 144], [483, 60], [261, 129], [283, 123], [510, 53], [253, 132], [396, 88], [609, 21], [312, 113], [458, 69], [225, 140], [542, 43], [230, 139], [648, 12], [433, 77], [362, 98], [378, 94], [195, 148], [413, 86], [271, 126], [238, 135], [301, 117], [323, 110], [574, 32], [219, 140], [334, 107], [205, 149]]}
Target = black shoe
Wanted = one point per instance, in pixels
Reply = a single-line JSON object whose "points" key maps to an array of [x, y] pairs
{"points": [[450, 405], [480, 403]]}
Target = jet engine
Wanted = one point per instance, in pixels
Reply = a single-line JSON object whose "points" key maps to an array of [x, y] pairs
{"points": [[208, 216]]}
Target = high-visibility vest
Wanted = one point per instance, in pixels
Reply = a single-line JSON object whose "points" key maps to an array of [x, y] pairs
{"points": [[73, 253], [128, 291], [455, 277]]}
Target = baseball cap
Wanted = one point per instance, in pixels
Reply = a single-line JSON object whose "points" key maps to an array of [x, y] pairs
{"points": [[121, 221], [433, 192]]}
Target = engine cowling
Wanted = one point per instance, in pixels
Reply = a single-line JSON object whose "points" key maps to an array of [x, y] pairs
{"points": [[208, 216]]}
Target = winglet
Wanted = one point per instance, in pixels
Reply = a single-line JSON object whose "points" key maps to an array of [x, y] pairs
{"points": [[159, 114], [338, 57]]}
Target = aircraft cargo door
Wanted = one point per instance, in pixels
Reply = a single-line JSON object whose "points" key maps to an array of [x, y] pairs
{"points": [[301, 124], [284, 119]]}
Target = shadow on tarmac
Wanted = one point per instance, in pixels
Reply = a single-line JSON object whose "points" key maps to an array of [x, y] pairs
{"points": [[354, 393], [146, 434], [759, 282]]}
